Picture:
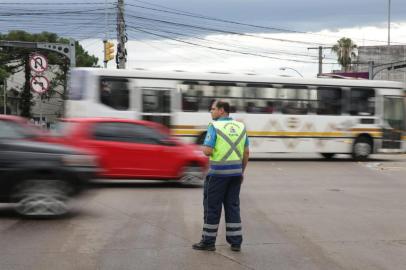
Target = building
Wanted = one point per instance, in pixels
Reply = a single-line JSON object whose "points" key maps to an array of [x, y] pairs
{"points": [[383, 57], [50, 109]]}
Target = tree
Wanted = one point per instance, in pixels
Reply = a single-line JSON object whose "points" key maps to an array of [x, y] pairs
{"points": [[14, 60], [345, 50]]}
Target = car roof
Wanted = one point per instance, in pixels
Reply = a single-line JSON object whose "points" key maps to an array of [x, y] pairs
{"points": [[113, 119], [14, 118]]}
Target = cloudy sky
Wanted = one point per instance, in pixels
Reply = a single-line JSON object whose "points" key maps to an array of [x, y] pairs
{"points": [[308, 15], [230, 35]]}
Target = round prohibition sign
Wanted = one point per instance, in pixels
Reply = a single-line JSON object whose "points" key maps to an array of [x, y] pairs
{"points": [[39, 84], [38, 63]]}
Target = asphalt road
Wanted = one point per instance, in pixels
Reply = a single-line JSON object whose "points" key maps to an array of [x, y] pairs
{"points": [[298, 213]]}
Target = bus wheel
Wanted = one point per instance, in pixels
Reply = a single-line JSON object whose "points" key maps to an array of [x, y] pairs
{"points": [[362, 148], [328, 155], [200, 139]]}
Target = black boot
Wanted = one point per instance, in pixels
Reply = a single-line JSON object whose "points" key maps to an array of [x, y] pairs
{"points": [[203, 246], [236, 248]]}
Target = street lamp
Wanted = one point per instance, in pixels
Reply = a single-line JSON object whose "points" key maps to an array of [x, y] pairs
{"points": [[285, 68]]}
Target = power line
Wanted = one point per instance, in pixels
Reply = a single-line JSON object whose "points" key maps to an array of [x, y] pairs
{"points": [[221, 43], [201, 32], [200, 16], [53, 4], [194, 15], [221, 31], [222, 49], [51, 13]]}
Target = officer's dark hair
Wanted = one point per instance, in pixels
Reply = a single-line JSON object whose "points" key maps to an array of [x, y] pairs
{"points": [[223, 104]]}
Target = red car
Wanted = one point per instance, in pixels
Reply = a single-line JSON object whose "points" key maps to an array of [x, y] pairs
{"points": [[132, 149]]}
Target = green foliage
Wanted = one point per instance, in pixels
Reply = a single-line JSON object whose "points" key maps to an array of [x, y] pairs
{"points": [[3, 74], [344, 49], [14, 60]]}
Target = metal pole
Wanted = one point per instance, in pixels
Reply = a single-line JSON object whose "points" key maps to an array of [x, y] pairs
{"points": [[389, 5], [320, 60], [72, 52], [370, 70], [40, 110], [320, 48], [106, 36], [104, 51], [5, 96], [121, 37]]}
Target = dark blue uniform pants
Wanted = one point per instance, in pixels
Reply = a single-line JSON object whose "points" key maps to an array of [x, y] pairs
{"points": [[219, 191]]}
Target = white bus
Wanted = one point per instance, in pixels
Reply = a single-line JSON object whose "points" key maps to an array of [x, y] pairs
{"points": [[326, 116]]}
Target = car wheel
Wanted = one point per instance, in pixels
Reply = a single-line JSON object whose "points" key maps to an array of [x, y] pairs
{"points": [[42, 198], [362, 148], [328, 155], [192, 174]]}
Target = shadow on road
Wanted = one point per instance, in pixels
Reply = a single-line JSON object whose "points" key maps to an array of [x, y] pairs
{"points": [[7, 211], [139, 184], [301, 159]]}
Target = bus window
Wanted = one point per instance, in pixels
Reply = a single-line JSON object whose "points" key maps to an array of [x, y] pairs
{"points": [[362, 101], [253, 102], [199, 97], [329, 101], [191, 96], [295, 99], [260, 99], [394, 112], [227, 92], [114, 93], [156, 100]]}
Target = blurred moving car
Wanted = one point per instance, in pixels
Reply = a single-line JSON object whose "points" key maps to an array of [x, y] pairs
{"points": [[39, 177], [134, 149]]}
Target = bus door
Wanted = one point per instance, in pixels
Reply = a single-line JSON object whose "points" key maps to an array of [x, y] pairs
{"points": [[156, 105], [394, 117]]}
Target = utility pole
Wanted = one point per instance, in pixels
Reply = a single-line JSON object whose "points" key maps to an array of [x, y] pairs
{"points": [[320, 48], [106, 36], [5, 95], [389, 4], [371, 70], [121, 56]]}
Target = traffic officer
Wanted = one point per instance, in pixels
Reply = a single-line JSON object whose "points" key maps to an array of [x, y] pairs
{"points": [[226, 144]]}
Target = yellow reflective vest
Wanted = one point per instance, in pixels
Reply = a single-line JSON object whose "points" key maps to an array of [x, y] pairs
{"points": [[228, 152]]}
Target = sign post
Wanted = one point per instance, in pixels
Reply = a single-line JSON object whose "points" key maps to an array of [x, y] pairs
{"points": [[39, 83]]}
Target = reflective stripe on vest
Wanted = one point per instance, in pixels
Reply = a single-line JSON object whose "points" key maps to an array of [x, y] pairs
{"points": [[227, 155]]}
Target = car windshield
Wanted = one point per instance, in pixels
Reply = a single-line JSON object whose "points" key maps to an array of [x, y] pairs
{"points": [[11, 130], [62, 128]]}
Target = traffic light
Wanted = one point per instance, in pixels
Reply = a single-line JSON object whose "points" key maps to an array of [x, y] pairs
{"points": [[108, 51]]}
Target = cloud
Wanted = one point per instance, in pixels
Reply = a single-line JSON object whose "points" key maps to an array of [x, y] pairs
{"points": [[166, 55]]}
